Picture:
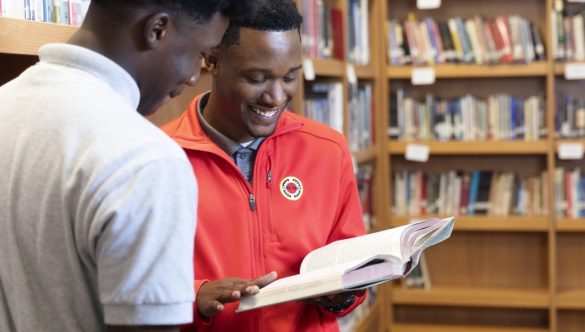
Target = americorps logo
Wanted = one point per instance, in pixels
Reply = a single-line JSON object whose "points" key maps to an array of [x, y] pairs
{"points": [[291, 188]]}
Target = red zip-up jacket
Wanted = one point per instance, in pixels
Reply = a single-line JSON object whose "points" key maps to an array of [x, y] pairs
{"points": [[303, 196]]}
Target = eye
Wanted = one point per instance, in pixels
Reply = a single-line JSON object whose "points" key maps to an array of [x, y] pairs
{"points": [[290, 78], [256, 79]]}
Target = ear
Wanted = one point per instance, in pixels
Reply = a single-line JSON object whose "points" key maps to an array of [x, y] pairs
{"points": [[156, 28], [211, 62]]}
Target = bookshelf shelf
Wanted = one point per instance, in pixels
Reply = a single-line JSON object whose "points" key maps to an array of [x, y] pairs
{"points": [[491, 223], [573, 299], [328, 67], [473, 71], [25, 37], [474, 147], [570, 225], [474, 297], [559, 67], [460, 328], [365, 72]]}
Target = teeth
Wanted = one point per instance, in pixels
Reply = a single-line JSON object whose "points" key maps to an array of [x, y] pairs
{"points": [[267, 114]]}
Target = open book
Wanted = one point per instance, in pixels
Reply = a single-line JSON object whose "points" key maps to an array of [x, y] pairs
{"points": [[354, 263]]}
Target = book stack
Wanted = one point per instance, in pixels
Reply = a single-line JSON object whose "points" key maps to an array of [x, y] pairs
{"points": [[468, 118], [477, 40], [469, 193], [322, 30]]}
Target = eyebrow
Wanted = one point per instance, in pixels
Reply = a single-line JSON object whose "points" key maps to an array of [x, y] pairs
{"points": [[264, 70]]}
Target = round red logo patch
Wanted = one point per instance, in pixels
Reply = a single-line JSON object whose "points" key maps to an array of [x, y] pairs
{"points": [[291, 188]]}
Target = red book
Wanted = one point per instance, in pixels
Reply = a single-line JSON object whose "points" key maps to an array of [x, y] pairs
{"points": [[337, 31], [505, 37]]}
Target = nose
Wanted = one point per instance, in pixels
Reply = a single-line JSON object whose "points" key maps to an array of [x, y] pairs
{"points": [[275, 95]]}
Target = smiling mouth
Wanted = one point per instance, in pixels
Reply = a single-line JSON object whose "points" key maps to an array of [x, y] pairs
{"points": [[265, 113]]}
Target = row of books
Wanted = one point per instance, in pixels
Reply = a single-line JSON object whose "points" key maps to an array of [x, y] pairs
{"points": [[479, 40], [569, 116], [361, 111], [69, 12], [568, 33], [467, 118], [569, 188], [322, 30], [469, 193], [323, 103]]}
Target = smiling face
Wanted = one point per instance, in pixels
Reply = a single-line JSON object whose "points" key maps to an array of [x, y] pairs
{"points": [[253, 82], [177, 60]]}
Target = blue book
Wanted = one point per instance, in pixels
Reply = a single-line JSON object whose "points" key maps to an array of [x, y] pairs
{"points": [[473, 190]]}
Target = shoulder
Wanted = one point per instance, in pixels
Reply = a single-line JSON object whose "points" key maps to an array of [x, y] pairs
{"points": [[322, 135]]}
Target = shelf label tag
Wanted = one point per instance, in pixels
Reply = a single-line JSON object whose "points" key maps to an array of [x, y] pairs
{"points": [[570, 151], [575, 71], [350, 72], [423, 76], [417, 152], [308, 69], [575, 0], [428, 4]]}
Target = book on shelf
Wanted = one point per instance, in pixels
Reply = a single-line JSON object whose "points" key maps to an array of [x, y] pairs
{"points": [[355, 263], [471, 193]]}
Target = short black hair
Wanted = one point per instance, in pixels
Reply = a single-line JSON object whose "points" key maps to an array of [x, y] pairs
{"points": [[270, 15], [200, 10]]}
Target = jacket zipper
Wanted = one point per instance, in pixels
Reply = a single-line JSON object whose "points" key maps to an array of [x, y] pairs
{"points": [[252, 201]]}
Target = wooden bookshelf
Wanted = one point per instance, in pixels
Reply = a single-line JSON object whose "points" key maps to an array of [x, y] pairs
{"points": [[474, 147], [490, 223], [25, 37], [497, 274], [572, 299], [570, 225], [473, 71], [473, 297]]}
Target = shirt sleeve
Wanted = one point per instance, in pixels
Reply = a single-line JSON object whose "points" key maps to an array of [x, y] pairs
{"points": [[144, 237]]}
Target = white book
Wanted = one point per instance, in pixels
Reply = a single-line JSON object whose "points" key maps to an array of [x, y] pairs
{"points": [[355, 263]]}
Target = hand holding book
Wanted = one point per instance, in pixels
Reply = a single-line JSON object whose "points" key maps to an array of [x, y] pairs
{"points": [[355, 263]]}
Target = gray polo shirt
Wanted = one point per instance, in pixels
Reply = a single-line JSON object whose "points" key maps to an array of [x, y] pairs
{"points": [[244, 155], [97, 205]]}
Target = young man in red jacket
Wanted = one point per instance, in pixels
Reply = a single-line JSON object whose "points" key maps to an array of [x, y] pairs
{"points": [[273, 185]]}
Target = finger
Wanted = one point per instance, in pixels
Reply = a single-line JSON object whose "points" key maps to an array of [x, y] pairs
{"points": [[266, 279], [251, 290], [229, 295]]}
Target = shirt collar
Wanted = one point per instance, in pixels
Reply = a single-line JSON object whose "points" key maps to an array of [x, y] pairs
{"points": [[225, 143], [96, 64]]}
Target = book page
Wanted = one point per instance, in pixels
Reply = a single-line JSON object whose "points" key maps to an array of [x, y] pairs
{"points": [[359, 248]]}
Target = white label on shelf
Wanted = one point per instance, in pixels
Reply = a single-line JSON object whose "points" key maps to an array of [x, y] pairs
{"points": [[428, 4], [351, 77], [575, 0], [308, 69], [423, 76], [575, 71], [570, 151], [417, 152]]}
